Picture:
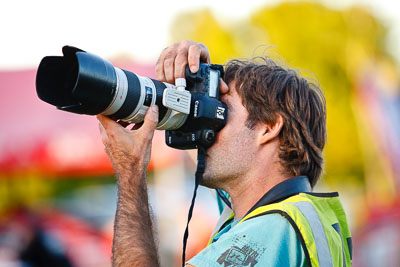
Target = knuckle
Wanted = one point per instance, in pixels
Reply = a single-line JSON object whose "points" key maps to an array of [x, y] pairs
{"points": [[169, 61], [153, 121], [171, 49], [159, 68], [150, 117], [160, 74], [186, 43], [170, 54], [195, 46], [183, 51], [159, 59], [202, 46], [174, 45], [180, 62]]}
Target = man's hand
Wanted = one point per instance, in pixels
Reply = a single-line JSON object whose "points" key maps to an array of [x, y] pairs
{"points": [[173, 60], [129, 152]]}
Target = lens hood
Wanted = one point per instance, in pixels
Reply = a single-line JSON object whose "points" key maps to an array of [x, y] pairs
{"points": [[77, 82]]}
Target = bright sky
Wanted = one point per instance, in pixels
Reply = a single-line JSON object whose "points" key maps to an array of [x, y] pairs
{"points": [[31, 30]]}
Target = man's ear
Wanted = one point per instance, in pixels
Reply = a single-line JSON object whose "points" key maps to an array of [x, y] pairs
{"points": [[271, 131]]}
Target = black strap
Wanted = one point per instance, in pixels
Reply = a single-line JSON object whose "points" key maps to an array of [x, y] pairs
{"points": [[201, 164], [224, 198]]}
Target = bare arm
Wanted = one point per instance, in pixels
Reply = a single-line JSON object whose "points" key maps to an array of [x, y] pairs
{"points": [[129, 152]]}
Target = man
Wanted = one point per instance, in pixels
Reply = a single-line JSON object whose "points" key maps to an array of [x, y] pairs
{"points": [[267, 158]]}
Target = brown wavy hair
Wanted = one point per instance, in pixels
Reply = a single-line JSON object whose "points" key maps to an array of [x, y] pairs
{"points": [[267, 89]]}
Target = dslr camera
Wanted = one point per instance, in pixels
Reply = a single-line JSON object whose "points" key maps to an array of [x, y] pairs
{"points": [[190, 111]]}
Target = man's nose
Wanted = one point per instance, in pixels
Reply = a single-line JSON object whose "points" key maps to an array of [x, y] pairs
{"points": [[223, 87]]}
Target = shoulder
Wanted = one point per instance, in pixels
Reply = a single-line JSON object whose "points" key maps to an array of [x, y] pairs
{"points": [[264, 240]]}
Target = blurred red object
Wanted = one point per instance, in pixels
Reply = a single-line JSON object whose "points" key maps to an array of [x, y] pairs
{"points": [[35, 136], [62, 238], [377, 243]]}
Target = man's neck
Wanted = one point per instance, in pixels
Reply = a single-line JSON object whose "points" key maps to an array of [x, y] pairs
{"points": [[248, 186], [251, 189]]}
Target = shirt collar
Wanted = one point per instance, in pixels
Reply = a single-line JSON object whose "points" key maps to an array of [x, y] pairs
{"points": [[283, 190]]}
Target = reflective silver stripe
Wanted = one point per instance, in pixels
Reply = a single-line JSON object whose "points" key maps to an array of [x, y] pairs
{"points": [[336, 226], [321, 243]]}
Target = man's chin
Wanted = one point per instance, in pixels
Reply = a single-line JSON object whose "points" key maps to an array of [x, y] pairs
{"points": [[207, 181], [207, 184]]}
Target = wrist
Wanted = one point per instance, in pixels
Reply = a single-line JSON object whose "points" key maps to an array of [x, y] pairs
{"points": [[130, 178]]}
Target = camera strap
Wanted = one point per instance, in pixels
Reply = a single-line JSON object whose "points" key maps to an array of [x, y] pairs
{"points": [[201, 164]]}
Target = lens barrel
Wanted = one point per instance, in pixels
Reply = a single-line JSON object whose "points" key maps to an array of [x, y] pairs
{"points": [[84, 83]]}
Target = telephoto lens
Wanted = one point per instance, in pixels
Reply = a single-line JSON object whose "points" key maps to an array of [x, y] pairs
{"points": [[84, 83]]}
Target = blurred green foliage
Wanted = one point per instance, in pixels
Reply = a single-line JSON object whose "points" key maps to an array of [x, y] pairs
{"points": [[32, 190], [332, 44]]}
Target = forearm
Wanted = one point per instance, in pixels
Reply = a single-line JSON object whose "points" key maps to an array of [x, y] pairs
{"points": [[133, 243]]}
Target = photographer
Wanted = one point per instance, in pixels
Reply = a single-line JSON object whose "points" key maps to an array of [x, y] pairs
{"points": [[268, 158]]}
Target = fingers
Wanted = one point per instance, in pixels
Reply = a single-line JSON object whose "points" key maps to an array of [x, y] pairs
{"points": [[173, 60], [165, 63], [160, 75], [123, 123], [197, 53], [103, 133], [104, 125], [109, 128], [223, 87], [128, 149], [106, 122], [181, 60], [150, 122], [169, 66]]}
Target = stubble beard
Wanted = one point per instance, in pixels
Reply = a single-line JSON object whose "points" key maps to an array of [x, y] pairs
{"points": [[225, 167], [214, 176]]}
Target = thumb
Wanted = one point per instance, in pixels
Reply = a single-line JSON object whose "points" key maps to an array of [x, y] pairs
{"points": [[150, 120], [106, 122]]}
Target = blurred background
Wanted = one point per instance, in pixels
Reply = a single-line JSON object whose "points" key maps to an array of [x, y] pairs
{"points": [[57, 189]]}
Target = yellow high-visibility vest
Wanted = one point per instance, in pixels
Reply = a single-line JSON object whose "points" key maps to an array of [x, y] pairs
{"points": [[320, 224]]}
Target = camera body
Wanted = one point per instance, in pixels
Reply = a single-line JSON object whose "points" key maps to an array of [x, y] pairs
{"points": [[83, 83], [207, 113]]}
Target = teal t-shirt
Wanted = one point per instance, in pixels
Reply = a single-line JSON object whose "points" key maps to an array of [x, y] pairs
{"points": [[267, 240]]}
